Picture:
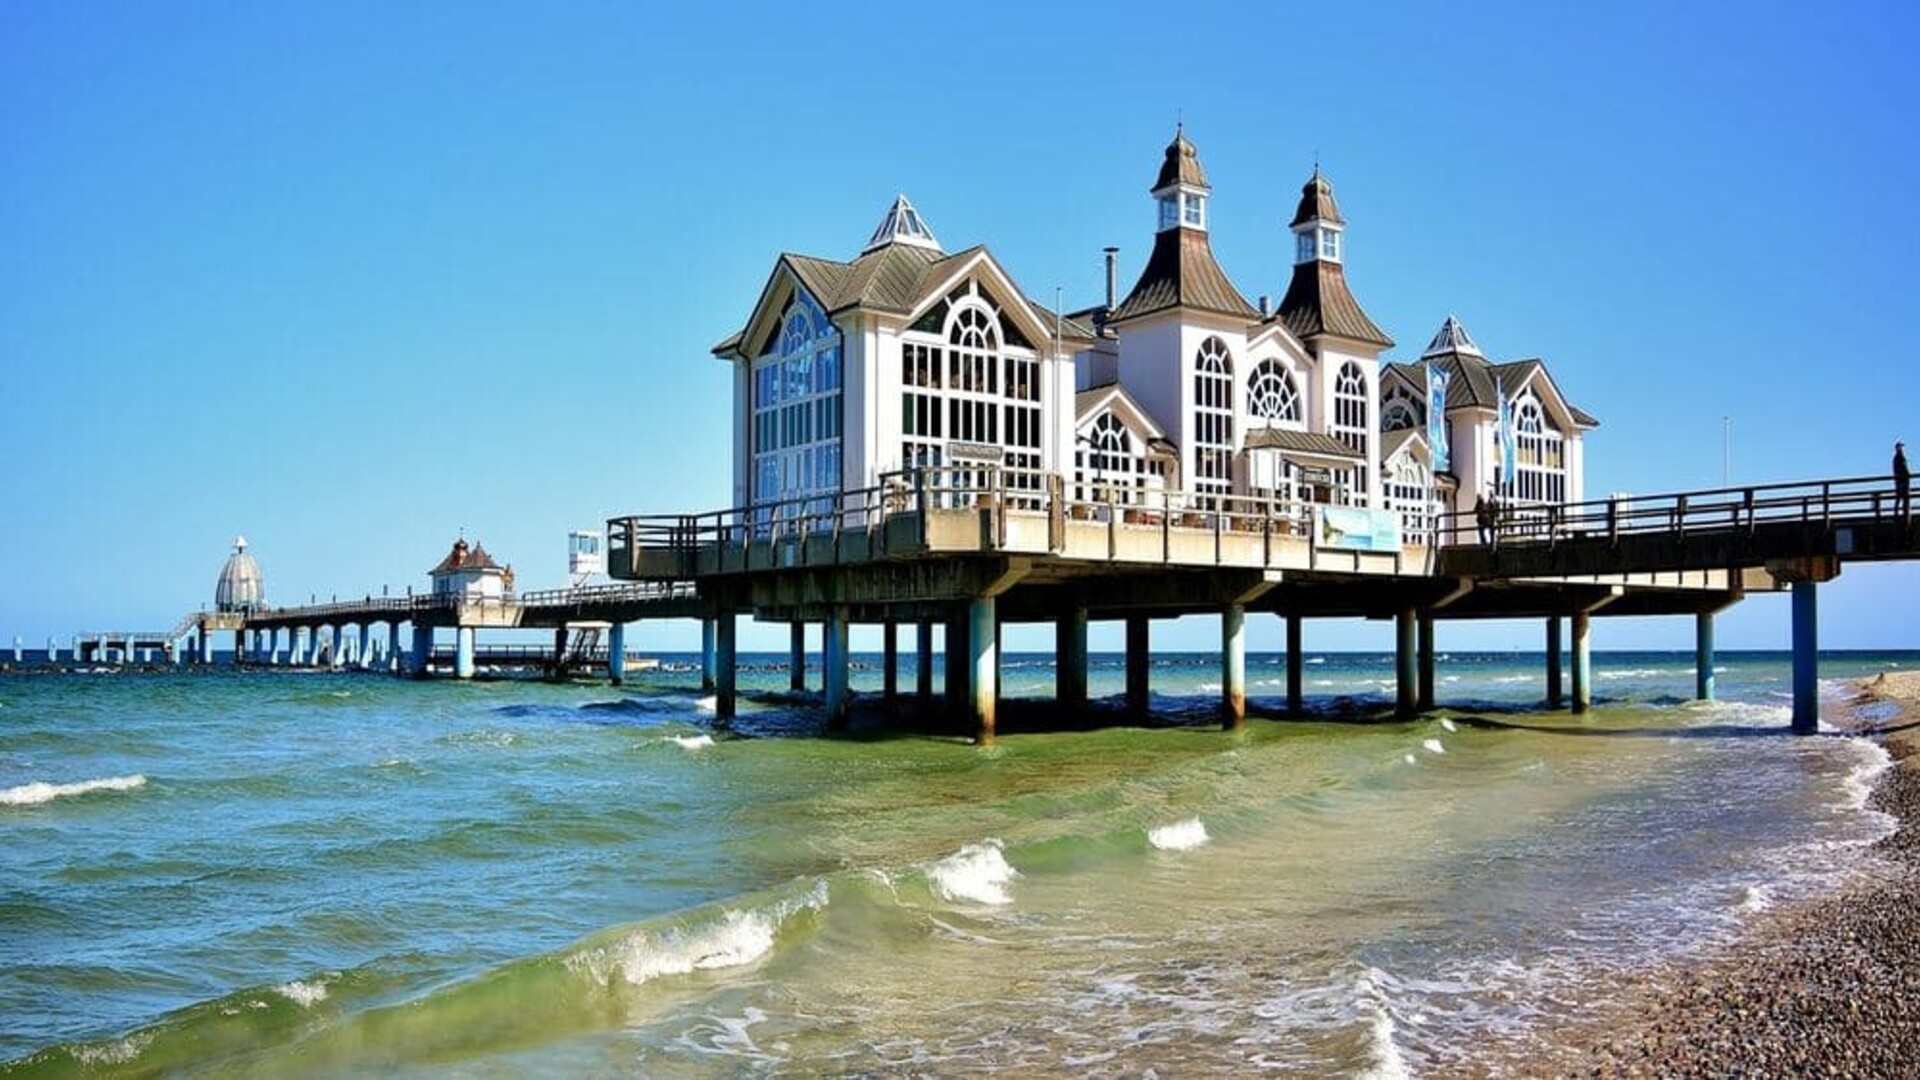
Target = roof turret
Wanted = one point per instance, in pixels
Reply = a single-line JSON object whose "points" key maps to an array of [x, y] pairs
{"points": [[1182, 165], [1316, 201], [1452, 338], [902, 225], [240, 586]]}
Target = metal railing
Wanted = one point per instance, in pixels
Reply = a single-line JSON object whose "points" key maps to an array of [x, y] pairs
{"points": [[610, 594], [1874, 498]]}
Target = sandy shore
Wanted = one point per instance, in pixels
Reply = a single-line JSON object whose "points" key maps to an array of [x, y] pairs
{"points": [[1826, 988]]}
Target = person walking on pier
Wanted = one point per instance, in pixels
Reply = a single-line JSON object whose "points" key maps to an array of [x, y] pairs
{"points": [[1483, 517], [1902, 482]]}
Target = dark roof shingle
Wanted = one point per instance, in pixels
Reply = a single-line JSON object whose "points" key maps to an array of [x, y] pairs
{"points": [[1319, 302], [1182, 273]]}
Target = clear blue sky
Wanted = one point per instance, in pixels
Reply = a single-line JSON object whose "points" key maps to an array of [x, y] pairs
{"points": [[348, 277]]}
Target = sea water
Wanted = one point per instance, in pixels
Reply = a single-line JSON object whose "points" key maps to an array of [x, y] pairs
{"points": [[271, 873]]}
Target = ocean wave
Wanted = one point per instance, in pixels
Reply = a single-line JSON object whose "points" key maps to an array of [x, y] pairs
{"points": [[1179, 836], [978, 873], [41, 792], [1433, 746], [304, 994], [691, 742], [738, 937]]}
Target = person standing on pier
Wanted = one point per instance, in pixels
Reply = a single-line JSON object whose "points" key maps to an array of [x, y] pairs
{"points": [[1902, 482]]}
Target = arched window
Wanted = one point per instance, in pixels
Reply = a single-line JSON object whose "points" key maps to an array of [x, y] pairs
{"points": [[969, 377], [1399, 411], [1409, 492], [1272, 394], [1350, 407], [1213, 418], [1541, 475], [797, 407]]}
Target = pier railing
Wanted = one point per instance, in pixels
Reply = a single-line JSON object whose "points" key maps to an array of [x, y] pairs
{"points": [[1727, 509], [984, 507]]}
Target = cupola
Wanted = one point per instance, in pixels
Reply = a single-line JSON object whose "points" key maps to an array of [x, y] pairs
{"points": [[1181, 190], [902, 225], [1317, 223]]}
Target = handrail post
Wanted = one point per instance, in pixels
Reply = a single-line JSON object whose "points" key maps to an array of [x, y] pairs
{"points": [[1613, 521]]}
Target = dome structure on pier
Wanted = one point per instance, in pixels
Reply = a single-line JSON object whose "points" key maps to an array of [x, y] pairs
{"points": [[240, 588]]}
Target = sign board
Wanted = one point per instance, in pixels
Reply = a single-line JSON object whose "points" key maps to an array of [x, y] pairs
{"points": [[1355, 528], [972, 451]]}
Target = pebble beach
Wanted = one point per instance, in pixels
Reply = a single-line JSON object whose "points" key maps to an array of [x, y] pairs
{"points": [[1825, 988]]}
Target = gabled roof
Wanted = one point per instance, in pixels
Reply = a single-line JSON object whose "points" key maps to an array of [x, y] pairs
{"points": [[1093, 400], [1182, 273], [1182, 165], [1302, 442], [1476, 384], [461, 558], [1319, 302], [1394, 441]]}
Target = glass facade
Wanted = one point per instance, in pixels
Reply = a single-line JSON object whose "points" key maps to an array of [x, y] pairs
{"points": [[971, 390], [797, 409], [1213, 419]]}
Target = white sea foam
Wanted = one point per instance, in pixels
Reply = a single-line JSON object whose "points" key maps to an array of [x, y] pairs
{"points": [[1388, 1063], [1179, 836], [691, 742], [978, 872], [1756, 898], [304, 994], [1433, 746], [1411, 760], [42, 792], [735, 939], [708, 704], [1448, 724], [118, 1052]]}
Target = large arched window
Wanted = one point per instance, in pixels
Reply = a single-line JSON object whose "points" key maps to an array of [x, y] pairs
{"points": [[1213, 418], [971, 380], [1541, 475], [1113, 466], [1272, 394], [1350, 407], [797, 407]]}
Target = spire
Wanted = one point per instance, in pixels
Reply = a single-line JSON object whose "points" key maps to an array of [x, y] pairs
{"points": [[1316, 201], [902, 225], [1452, 338], [1318, 300], [1182, 272], [1182, 166]]}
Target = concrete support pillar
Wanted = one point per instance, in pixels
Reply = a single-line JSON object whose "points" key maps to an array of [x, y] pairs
{"points": [[1556, 694], [983, 653], [393, 646], [365, 658], [797, 677], [617, 653], [334, 658], [1233, 666], [53, 650], [725, 688], [1070, 659], [422, 650], [1405, 664], [463, 653], [296, 646], [1703, 656], [889, 661], [923, 660], [206, 645], [1425, 627], [834, 665], [19, 654], [708, 630], [1296, 662], [1139, 659], [1806, 659], [559, 649], [1582, 662], [959, 664]]}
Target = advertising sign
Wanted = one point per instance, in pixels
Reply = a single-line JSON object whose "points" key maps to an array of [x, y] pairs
{"points": [[1356, 528]]}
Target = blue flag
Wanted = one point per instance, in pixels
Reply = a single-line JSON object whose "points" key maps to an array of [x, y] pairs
{"points": [[1509, 442], [1437, 419]]}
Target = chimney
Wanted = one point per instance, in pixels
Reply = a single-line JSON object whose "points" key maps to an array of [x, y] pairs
{"points": [[1113, 280], [1266, 306]]}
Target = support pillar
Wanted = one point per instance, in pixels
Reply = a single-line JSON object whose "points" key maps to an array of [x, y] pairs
{"points": [[1582, 662], [1296, 662], [422, 649], [1405, 665], [797, 678], [708, 629], [463, 653], [983, 627], [393, 646], [724, 687], [296, 646], [365, 659], [833, 662], [1425, 627], [617, 653], [923, 660], [1806, 659], [1233, 666], [1139, 657], [333, 650], [559, 665], [1556, 694], [1703, 656], [206, 646], [889, 661], [959, 663], [1070, 659]]}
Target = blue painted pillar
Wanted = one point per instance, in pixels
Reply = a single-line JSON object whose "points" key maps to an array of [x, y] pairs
{"points": [[617, 654], [53, 650], [422, 649], [1806, 659], [983, 665], [833, 657], [1070, 659], [797, 678], [296, 646], [19, 654], [365, 659], [725, 686], [1405, 664], [333, 649], [463, 652], [1703, 656], [206, 645], [1582, 662], [393, 646], [708, 629], [1233, 666]]}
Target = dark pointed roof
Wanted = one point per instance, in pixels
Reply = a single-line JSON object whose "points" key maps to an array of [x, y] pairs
{"points": [[1319, 302], [1182, 273], [1316, 201], [464, 558], [1452, 337], [1182, 165], [1476, 383]]}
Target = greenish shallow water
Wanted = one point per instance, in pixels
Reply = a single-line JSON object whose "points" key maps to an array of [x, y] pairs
{"points": [[268, 874]]}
